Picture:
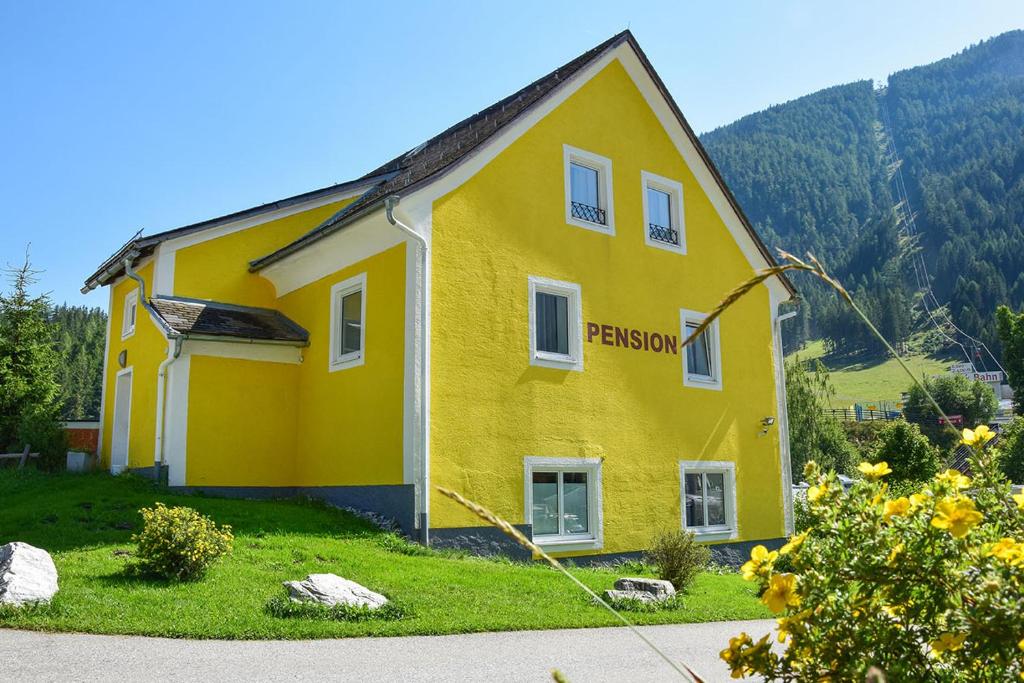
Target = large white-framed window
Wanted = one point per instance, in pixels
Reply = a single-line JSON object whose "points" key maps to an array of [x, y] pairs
{"points": [[702, 360], [556, 324], [348, 323], [664, 227], [708, 498], [130, 314], [588, 190], [563, 502]]}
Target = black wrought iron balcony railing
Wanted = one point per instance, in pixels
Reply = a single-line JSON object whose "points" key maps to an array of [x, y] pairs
{"points": [[664, 234], [591, 214]]}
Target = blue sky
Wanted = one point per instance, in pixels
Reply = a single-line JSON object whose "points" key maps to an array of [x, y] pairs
{"points": [[120, 116]]}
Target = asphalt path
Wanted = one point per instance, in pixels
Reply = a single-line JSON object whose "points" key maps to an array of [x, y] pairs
{"points": [[596, 654]]}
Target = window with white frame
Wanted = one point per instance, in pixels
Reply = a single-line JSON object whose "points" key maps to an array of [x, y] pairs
{"points": [[708, 498], [563, 501], [130, 314], [588, 190], [663, 213], [348, 323], [702, 359], [556, 324]]}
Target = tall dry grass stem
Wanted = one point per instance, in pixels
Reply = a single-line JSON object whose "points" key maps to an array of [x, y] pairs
{"points": [[539, 554]]}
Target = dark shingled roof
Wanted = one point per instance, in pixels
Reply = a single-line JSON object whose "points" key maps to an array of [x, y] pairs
{"points": [[213, 318], [438, 154]]}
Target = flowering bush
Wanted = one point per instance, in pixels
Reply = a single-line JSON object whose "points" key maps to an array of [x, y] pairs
{"points": [[928, 586], [179, 543]]}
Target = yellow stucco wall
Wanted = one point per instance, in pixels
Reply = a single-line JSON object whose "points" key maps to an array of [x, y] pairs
{"points": [[242, 417], [218, 269], [349, 425], [146, 348], [491, 408]]}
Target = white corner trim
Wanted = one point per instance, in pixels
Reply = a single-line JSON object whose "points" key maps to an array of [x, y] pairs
{"points": [[659, 105], [595, 502], [176, 419], [782, 417], [728, 532], [715, 342], [574, 359], [606, 185], [131, 303], [335, 362], [674, 189], [106, 367]]}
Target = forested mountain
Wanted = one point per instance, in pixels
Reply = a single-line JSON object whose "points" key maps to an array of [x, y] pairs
{"points": [[79, 336], [815, 174]]}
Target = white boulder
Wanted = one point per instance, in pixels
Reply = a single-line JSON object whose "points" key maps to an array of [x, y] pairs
{"points": [[331, 589], [27, 575], [643, 590]]}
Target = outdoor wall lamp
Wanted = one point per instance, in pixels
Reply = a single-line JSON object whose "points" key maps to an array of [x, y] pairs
{"points": [[767, 423]]}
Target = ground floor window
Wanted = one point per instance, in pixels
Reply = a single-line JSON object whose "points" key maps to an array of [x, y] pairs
{"points": [[708, 498], [563, 501]]}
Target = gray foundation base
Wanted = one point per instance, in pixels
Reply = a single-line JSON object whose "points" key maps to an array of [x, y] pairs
{"points": [[482, 540], [395, 502], [158, 474]]}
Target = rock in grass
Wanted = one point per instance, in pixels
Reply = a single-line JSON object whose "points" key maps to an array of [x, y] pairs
{"points": [[643, 590], [27, 575], [331, 589]]}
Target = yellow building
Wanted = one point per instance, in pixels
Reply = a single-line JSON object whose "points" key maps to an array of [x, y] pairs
{"points": [[498, 311]]}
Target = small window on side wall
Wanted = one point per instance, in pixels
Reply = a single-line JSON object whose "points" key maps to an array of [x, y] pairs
{"points": [[663, 213], [708, 498], [702, 359], [588, 190], [130, 314], [563, 502], [348, 323], [556, 324]]}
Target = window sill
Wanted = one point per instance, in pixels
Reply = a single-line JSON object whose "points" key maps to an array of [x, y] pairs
{"points": [[557, 362], [563, 544], [604, 228], [667, 246], [128, 335], [713, 384], [345, 363], [713, 534]]}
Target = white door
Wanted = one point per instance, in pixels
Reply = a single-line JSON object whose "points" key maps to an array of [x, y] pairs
{"points": [[122, 421]]}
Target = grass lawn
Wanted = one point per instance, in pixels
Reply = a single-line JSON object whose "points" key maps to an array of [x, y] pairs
{"points": [[872, 379], [86, 523]]}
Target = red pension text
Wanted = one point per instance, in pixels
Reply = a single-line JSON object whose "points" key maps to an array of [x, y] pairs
{"points": [[637, 340]]}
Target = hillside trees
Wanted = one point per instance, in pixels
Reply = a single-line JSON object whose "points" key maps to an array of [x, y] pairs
{"points": [[79, 334], [814, 434], [956, 395], [1011, 334]]}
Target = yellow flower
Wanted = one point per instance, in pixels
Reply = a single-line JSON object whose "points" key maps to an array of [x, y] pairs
{"points": [[980, 434], [896, 508], [760, 562], [781, 592], [816, 492], [876, 471], [1019, 499], [894, 553], [793, 543], [948, 641], [955, 479], [1007, 550], [1020, 644], [917, 500], [956, 516]]}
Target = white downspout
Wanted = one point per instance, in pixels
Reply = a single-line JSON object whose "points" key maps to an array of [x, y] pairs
{"points": [[173, 351], [389, 208]]}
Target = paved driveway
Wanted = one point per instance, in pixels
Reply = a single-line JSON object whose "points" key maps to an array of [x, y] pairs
{"points": [[597, 654]]}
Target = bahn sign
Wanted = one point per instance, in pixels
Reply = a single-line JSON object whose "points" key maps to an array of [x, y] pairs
{"points": [[968, 371]]}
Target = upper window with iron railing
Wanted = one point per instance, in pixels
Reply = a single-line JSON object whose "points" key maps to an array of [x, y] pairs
{"points": [[663, 212], [659, 212], [586, 194]]}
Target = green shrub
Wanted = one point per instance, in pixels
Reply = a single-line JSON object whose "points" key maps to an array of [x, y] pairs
{"points": [[909, 453], [1011, 451], [922, 587], [678, 557], [179, 543], [394, 543], [973, 400], [286, 608], [45, 435], [863, 436]]}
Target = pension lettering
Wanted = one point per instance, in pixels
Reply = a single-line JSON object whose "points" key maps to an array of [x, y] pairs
{"points": [[629, 338]]}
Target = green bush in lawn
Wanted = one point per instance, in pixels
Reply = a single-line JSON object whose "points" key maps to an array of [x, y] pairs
{"points": [[1011, 451], [678, 557], [179, 543], [911, 456]]}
